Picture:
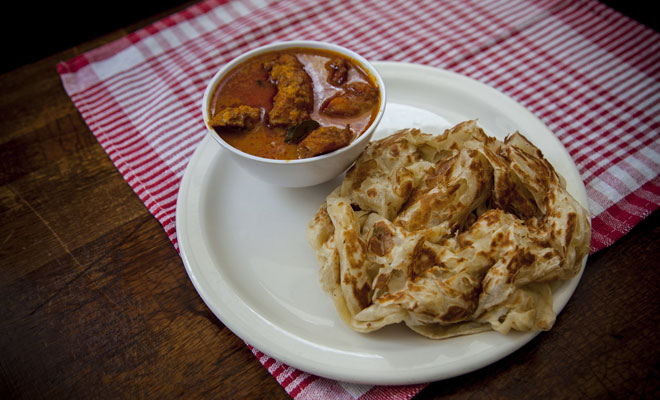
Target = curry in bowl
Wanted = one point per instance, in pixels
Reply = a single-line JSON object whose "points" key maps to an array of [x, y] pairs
{"points": [[294, 103]]}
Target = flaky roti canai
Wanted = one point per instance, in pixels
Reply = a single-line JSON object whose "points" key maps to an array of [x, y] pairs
{"points": [[451, 234]]}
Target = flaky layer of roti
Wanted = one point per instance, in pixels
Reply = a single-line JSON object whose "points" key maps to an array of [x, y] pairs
{"points": [[451, 234]]}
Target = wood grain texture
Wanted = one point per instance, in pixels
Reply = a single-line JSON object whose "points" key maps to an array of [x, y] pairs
{"points": [[96, 302]]}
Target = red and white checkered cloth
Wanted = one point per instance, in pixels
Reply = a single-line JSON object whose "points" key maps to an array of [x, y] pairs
{"points": [[589, 73]]}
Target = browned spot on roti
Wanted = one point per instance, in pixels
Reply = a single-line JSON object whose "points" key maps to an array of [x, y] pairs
{"points": [[381, 242]]}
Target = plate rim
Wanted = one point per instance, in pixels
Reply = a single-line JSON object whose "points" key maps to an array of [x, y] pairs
{"points": [[315, 368]]}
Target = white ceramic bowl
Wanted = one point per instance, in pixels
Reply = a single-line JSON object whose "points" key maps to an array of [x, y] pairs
{"points": [[303, 172]]}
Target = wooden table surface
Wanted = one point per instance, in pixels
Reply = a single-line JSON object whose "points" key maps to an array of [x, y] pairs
{"points": [[95, 302]]}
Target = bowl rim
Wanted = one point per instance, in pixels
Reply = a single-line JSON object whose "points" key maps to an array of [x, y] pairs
{"points": [[280, 45]]}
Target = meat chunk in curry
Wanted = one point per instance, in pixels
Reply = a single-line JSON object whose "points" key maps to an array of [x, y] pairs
{"points": [[324, 140], [355, 99], [295, 94], [337, 71], [240, 117]]}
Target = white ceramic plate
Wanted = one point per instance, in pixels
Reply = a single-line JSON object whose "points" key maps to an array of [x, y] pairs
{"points": [[243, 245]]}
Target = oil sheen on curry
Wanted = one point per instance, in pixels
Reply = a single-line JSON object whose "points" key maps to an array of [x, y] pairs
{"points": [[294, 103]]}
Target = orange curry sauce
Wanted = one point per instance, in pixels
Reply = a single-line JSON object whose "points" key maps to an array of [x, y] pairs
{"points": [[250, 84]]}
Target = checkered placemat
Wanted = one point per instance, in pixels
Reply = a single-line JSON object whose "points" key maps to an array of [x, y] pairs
{"points": [[589, 73]]}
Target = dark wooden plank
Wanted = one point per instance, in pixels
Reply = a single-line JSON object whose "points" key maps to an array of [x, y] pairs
{"points": [[118, 317], [96, 302]]}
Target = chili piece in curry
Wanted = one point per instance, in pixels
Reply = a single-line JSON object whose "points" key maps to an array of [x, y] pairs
{"points": [[294, 103]]}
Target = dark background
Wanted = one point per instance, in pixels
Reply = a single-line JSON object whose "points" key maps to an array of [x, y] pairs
{"points": [[32, 31]]}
